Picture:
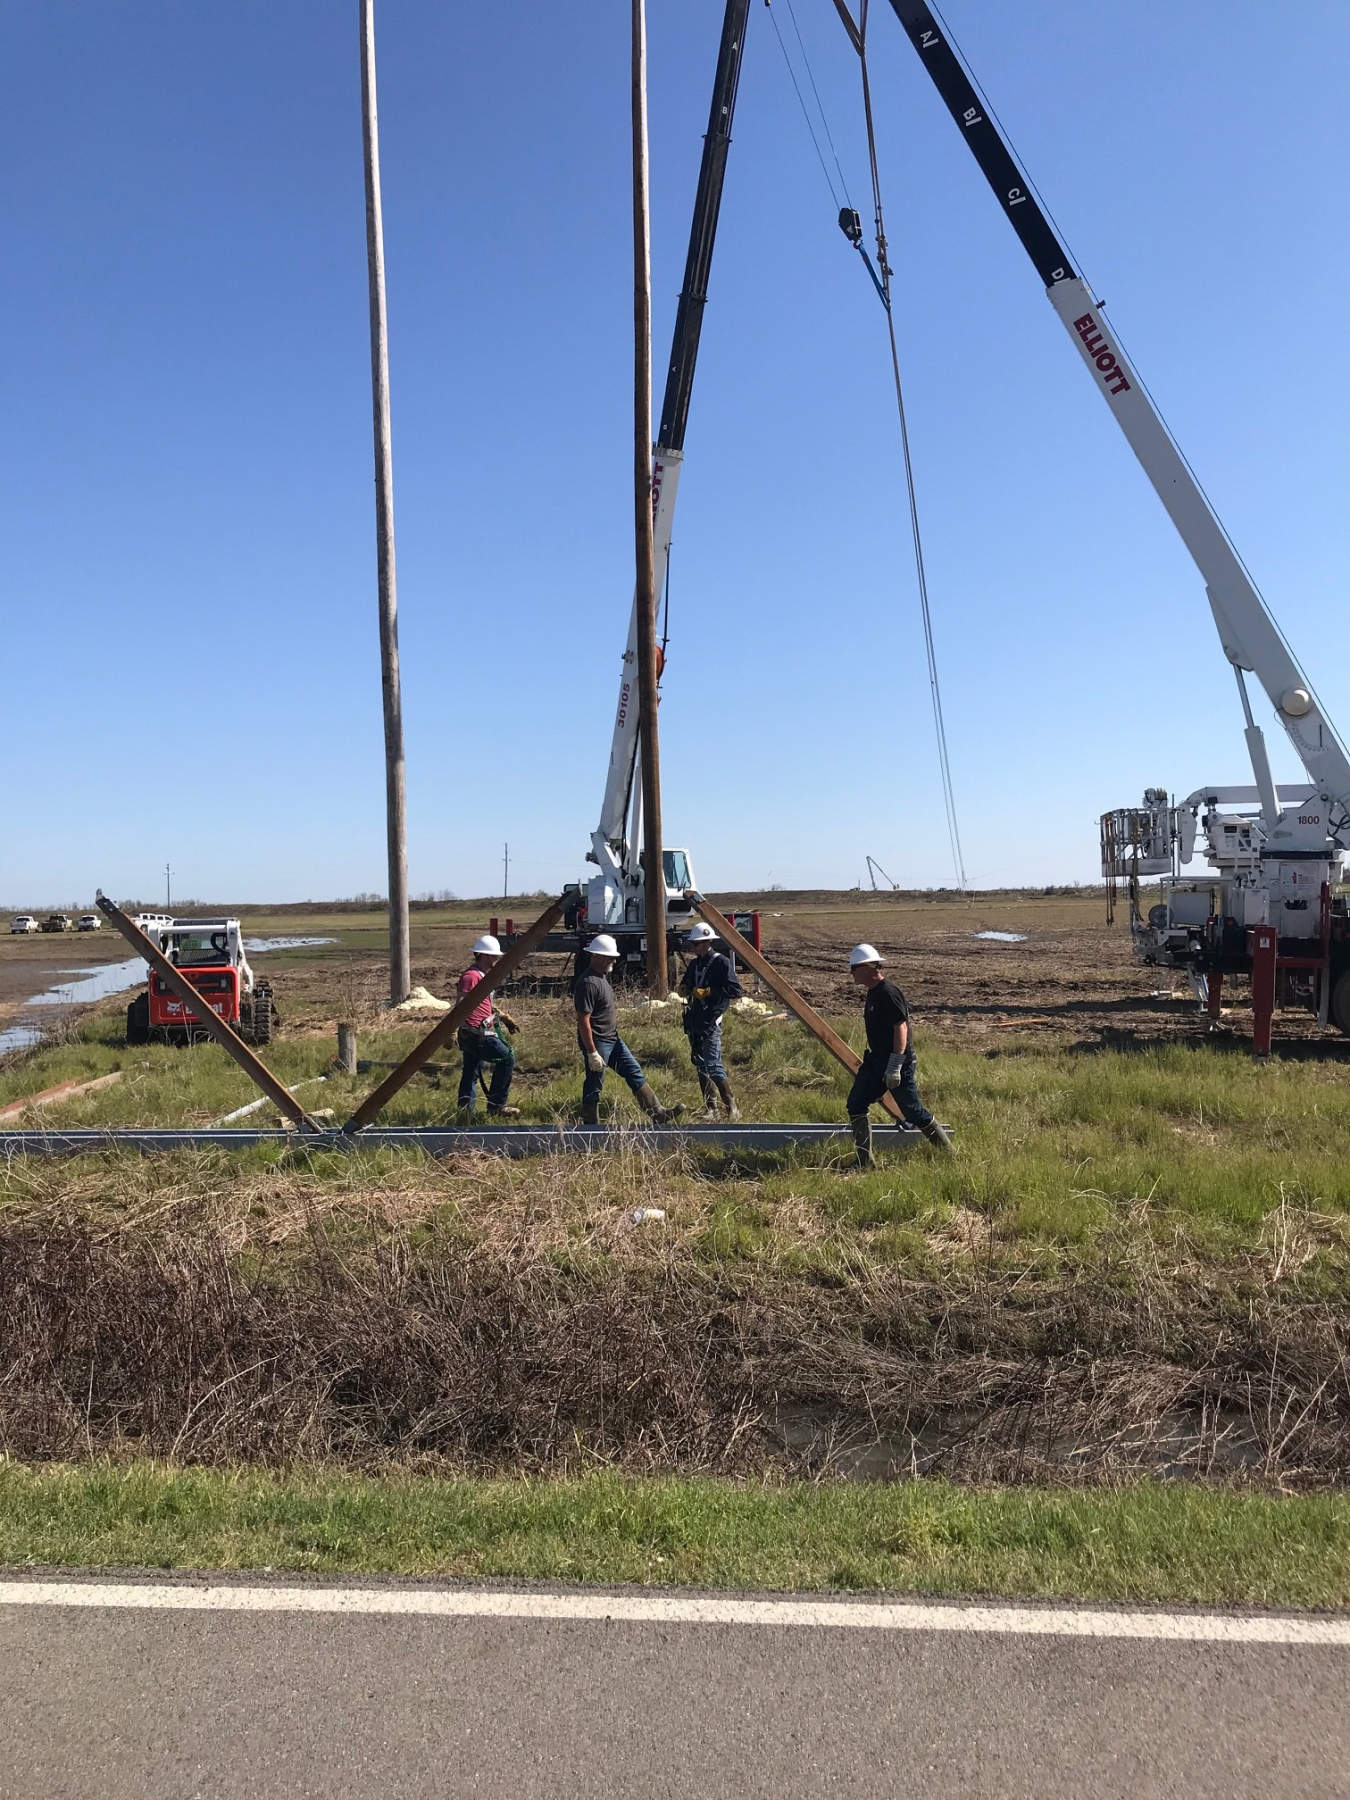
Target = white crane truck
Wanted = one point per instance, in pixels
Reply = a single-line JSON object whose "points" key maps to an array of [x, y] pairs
{"points": [[612, 900], [1268, 909]]}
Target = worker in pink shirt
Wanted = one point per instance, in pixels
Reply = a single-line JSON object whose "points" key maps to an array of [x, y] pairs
{"points": [[481, 1041]]}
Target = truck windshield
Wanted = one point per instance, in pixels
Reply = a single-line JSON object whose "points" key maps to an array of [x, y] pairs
{"points": [[676, 865]]}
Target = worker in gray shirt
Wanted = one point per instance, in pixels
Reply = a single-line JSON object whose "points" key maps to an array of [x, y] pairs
{"points": [[601, 1045]]}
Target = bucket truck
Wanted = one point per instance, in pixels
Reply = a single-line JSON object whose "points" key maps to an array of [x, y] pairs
{"points": [[1268, 907], [614, 899]]}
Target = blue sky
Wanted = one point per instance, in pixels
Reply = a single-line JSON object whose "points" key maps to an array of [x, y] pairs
{"points": [[190, 667]]}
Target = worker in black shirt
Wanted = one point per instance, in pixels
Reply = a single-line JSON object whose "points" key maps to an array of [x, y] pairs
{"points": [[709, 985], [888, 1063], [599, 1041]]}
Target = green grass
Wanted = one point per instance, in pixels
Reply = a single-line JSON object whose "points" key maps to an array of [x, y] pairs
{"points": [[1193, 1150], [1144, 1543]]}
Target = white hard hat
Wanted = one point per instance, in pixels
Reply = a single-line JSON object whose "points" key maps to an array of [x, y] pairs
{"points": [[701, 934], [487, 946], [863, 953], [603, 945]]}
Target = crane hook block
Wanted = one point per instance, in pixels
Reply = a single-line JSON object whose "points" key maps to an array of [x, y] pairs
{"points": [[851, 225]]}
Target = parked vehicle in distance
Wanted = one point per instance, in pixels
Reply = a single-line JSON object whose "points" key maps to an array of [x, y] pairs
{"points": [[23, 922], [58, 922], [89, 922]]}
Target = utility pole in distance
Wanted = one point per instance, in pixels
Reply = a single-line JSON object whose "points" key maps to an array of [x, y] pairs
{"points": [[400, 967], [653, 871]]}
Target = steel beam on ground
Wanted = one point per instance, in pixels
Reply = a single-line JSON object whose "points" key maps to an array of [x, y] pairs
{"points": [[210, 1022], [445, 1028], [785, 991], [434, 1140]]}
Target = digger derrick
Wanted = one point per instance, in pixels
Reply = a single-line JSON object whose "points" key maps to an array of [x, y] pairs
{"points": [[1269, 907]]}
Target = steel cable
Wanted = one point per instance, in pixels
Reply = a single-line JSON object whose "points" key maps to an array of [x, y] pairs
{"points": [[883, 261]]}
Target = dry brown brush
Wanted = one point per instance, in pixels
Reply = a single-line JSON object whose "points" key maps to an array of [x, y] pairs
{"points": [[394, 1332]]}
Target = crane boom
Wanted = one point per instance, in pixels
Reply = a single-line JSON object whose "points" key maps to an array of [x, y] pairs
{"points": [[610, 841], [1250, 637]]}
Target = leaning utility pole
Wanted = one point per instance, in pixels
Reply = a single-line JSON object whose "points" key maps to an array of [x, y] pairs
{"points": [[653, 870], [396, 819]]}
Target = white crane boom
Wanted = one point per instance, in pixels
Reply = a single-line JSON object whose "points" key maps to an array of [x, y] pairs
{"points": [[1251, 640], [613, 896], [608, 841], [1250, 637]]}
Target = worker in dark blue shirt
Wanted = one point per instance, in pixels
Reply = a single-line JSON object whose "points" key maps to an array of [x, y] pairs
{"points": [[709, 985], [888, 1062]]}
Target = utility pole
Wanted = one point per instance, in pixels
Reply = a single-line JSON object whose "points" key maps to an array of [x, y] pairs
{"points": [[506, 871], [168, 889], [396, 819], [654, 872]]}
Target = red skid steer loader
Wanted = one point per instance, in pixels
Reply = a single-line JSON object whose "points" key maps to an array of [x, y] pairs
{"points": [[210, 955]]}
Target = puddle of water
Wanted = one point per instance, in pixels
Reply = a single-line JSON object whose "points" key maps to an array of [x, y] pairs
{"points": [[19, 1037], [1004, 937], [96, 984], [257, 946]]}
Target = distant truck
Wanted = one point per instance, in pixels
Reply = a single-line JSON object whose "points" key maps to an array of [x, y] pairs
{"points": [[23, 922], [89, 922], [58, 922], [210, 955]]}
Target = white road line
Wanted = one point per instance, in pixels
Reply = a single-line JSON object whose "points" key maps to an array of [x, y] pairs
{"points": [[676, 1609]]}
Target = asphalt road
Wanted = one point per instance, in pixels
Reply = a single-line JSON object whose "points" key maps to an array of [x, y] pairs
{"points": [[175, 1705]]}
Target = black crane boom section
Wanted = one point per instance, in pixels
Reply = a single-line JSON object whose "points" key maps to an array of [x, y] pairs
{"points": [[986, 145], [707, 204]]}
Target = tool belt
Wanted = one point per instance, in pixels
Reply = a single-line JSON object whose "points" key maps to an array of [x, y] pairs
{"points": [[698, 1020], [469, 1037]]}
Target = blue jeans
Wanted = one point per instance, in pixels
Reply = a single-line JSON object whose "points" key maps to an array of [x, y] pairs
{"points": [[705, 1048], [869, 1084], [618, 1057], [485, 1049]]}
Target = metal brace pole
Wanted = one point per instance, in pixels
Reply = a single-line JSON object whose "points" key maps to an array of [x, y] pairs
{"points": [[788, 994], [229, 1040], [445, 1028]]}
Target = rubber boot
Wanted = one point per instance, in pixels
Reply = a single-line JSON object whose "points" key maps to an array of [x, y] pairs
{"points": [[938, 1134], [659, 1115], [728, 1098], [862, 1137], [590, 1112], [709, 1093]]}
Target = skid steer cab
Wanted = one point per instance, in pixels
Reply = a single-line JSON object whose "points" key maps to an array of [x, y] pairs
{"points": [[210, 955]]}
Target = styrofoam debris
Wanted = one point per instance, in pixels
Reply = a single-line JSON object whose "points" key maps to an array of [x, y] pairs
{"points": [[752, 1009]]}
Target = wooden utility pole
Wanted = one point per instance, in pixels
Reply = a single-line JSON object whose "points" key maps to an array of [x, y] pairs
{"points": [[396, 819], [655, 880]]}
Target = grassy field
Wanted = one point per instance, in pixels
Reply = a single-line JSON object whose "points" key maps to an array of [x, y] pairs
{"points": [[1162, 1544], [1135, 1265], [1189, 1146]]}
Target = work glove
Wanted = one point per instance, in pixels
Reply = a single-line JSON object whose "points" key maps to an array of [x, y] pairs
{"points": [[594, 1061], [509, 1023], [702, 993], [895, 1070]]}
